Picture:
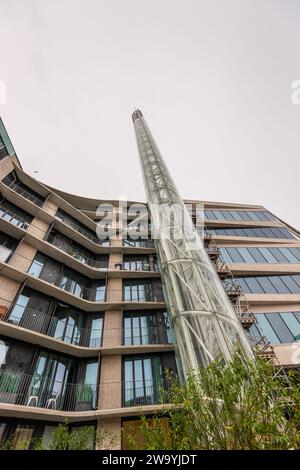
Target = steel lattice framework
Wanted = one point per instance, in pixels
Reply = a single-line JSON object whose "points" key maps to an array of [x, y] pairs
{"points": [[205, 323]]}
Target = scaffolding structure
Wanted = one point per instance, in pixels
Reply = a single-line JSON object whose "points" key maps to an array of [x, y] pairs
{"points": [[205, 323]]}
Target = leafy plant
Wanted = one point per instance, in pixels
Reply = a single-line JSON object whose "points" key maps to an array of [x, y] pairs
{"points": [[84, 393], [242, 405], [9, 381]]}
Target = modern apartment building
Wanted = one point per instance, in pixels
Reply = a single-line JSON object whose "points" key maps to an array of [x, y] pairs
{"points": [[85, 333]]}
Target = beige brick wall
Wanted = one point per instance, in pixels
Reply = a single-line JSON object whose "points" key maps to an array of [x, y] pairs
{"points": [[50, 207], [110, 390], [23, 257], [113, 323], [109, 429], [115, 258], [114, 290], [8, 291], [6, 166], [38, 228]]}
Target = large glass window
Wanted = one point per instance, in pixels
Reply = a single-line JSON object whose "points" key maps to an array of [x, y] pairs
{"points": [[238, 215], [143, 381], [258, 232], [49, 381], [96, 332], [148, 328], [18, 310], [37, 265], [137, 291], [260, 255], [285, 284], [7, 247], [283, 327]]}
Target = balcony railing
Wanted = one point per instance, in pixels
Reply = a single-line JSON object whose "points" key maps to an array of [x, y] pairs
{"points": [[85, 232], [13, 218], [147, 335], [33, 320], [145, 392], [137, 266], [23, 192], [148, 243], [44, 392], [48, 325], [84, 259]]}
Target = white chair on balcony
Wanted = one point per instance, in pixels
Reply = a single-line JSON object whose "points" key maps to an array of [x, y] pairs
{"points": [[52, 402], [33, 399]]}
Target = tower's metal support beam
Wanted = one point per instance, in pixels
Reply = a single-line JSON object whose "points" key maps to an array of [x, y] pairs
{"points": [[205, 323]]}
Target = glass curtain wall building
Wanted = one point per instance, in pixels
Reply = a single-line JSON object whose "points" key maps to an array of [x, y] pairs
{"points": [[87, 326]]}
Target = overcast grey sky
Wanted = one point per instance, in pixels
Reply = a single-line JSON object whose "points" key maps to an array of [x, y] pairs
{"points": [[213, 79]]}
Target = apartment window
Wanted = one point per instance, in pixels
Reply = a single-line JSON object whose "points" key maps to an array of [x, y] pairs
{"points": [[137, 291], [18, 310], [48, 383], [280, 327], [258, 232], [74, 283], [37, 265], [285, 284], [148, 328], [100, 291], [14, 214], [7, 247], [143, 381], [260, 255], [136, 263], [238, 215], [96, 332], [66, 325]]}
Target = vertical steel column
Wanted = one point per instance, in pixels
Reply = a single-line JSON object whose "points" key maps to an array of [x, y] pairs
{"points": [[205, 323]]}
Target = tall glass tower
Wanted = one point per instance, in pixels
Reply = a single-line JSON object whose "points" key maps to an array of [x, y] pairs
{"points": [[205, 323]]}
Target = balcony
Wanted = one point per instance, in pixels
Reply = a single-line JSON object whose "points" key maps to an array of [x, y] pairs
{"points": [[68, 332], [13, 218], [19, 188], [44, 392], [145, 392], [35, 391], [61, 330], [76, 253], [140, 243]]}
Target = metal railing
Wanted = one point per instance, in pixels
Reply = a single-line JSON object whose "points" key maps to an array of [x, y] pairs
{"points": [[138, 266], [52, 326], [145, 392], [45, 392], [13, 218], [24, 193], [62, 330], [84, 259], [78, 228], [129, 243]]}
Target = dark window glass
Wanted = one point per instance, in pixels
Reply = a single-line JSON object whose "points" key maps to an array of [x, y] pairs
{"points": [[280, 286], [253, 285], [280, 328], [267, 329], [266, 285], [291, 284]]}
